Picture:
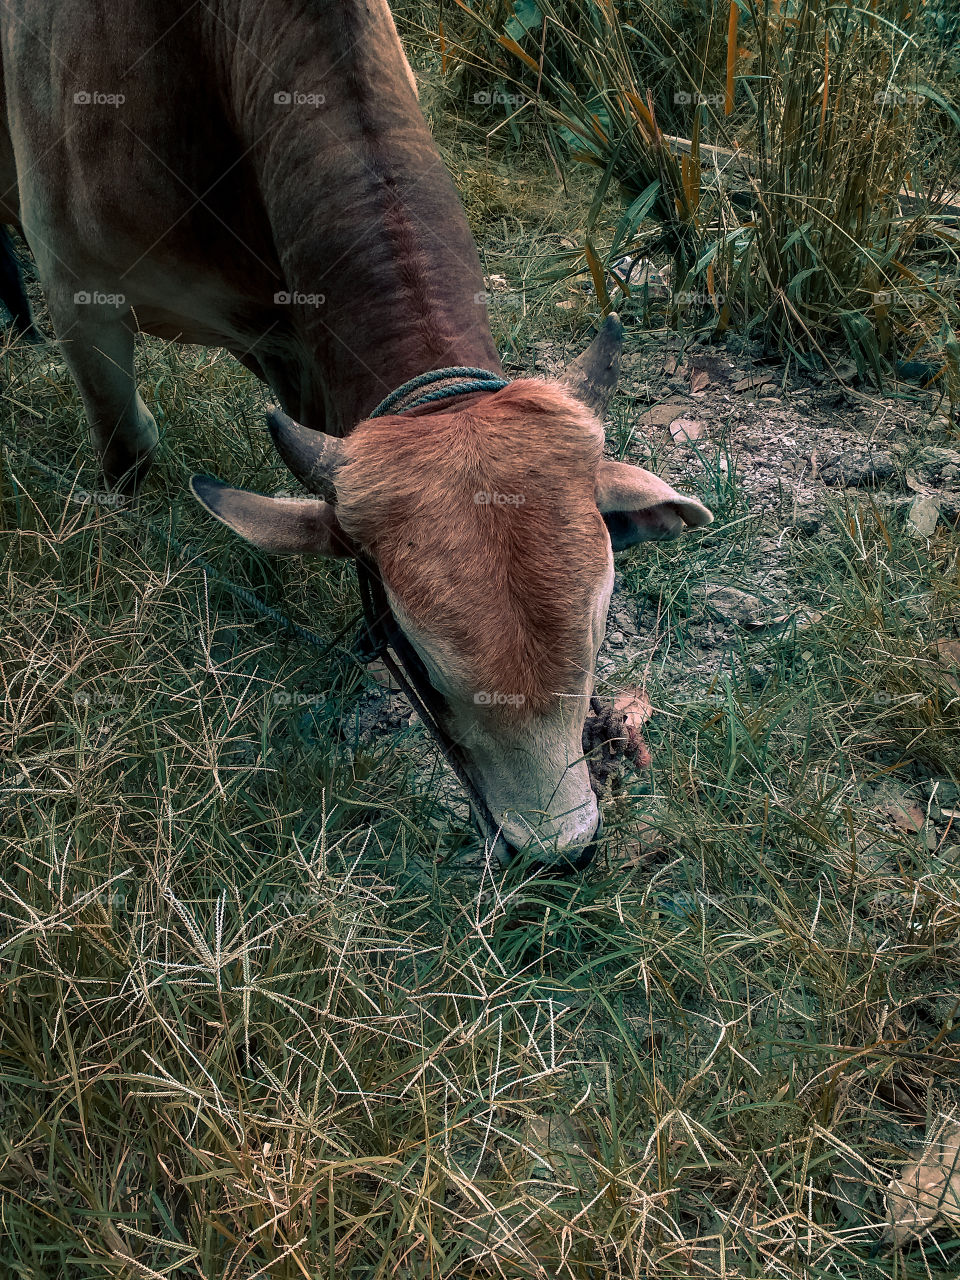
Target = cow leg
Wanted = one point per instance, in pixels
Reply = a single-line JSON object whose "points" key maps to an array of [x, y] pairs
{"points": [[98, 350], [12, 294]]}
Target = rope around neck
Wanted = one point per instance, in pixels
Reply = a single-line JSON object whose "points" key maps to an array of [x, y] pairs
{"points": [[461, 379]]}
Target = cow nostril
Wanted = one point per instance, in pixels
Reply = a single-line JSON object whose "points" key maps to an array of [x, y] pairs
{"points": [[567, 863], [562, 863]]}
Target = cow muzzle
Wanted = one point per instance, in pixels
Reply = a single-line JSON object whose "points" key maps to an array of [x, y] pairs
{"points": [[559, 862], [558, 846]]}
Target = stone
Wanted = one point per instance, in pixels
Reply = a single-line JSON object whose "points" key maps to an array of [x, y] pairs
{"points": [[923, 515], [856, 467], [845, 370], [687, 430], [805, 526], [737, 606], [934, 468], [552, 1142], [642, 274], [661, 415]]}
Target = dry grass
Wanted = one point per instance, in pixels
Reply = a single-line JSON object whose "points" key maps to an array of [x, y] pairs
{"points": [[837, 108], [258, 1017]]}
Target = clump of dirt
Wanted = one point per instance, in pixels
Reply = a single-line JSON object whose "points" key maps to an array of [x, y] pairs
{"points": [[612, 742]]}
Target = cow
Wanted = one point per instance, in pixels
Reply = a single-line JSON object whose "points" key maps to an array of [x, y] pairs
{"points": [[257, 175], [12, 293]]}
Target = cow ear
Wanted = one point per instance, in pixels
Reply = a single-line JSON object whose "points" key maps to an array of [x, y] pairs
{"points": [[285, 526], [638, 506]]}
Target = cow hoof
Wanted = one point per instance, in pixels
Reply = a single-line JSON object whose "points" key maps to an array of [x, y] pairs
{"points": [[124, 469]]}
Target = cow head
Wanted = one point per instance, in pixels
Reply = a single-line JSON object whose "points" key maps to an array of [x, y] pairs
{"points": [[493, 525]]}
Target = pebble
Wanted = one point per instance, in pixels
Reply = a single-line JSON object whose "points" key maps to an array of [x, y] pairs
{"points": [[737, 606], [860, 467], [923, 516], [932, 468]]}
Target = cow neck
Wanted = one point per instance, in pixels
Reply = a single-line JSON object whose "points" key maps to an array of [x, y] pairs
{"points": [[373, 245], [392, 344]]}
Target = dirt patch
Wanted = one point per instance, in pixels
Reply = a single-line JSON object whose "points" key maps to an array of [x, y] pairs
{"points": [[783, 446]]}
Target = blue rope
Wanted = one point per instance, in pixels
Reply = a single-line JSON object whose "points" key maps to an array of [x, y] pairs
{"points": [[468, 380]]}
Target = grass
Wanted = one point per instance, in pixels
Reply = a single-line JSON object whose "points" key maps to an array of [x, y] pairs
{"points": [[258, 1020], [793, 230], [261, 1014]]}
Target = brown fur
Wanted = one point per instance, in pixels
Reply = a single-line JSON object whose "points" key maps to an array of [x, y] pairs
{"points": [[506, 585], [200, 198]]}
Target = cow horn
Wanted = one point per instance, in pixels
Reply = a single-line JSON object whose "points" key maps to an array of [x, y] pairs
{"points": [[312, 456], [593, 376]]}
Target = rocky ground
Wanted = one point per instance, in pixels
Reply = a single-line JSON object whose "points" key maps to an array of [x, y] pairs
{"points": [[790, 445]]}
